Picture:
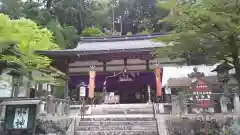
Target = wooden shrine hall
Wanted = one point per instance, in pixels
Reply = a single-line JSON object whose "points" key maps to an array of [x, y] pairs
{"points": [[124, 63]]}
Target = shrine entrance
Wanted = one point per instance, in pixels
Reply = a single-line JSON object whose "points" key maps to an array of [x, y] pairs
{"points": [[130, 92], [107, 56]]}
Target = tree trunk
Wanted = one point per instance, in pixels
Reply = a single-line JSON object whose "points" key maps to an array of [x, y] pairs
{"points": [[237, 77], [49, 4]]}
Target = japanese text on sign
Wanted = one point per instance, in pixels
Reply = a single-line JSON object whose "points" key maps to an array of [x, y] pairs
{"points": [[21, 118]]}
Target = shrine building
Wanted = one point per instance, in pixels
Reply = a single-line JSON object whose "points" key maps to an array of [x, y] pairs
{"points": [[126, 63]]}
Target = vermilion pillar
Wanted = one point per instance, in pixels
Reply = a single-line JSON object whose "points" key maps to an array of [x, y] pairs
{"points": [[158, 81]]}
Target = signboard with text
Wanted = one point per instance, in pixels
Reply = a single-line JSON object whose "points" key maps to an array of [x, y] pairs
{"points": [[201, 93], [82, 92], [112, 99], [20, 117]]}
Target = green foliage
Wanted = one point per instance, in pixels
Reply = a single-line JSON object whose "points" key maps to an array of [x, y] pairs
{"points": [[34, 10], [209, 27], [129, 34], [56, 28], [235, 128], [25, 37], [91, 32], [79, 14], [146, 31]]}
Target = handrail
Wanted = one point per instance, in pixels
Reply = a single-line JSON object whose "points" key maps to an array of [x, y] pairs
{"points": [[154, 116], [72, 128]]}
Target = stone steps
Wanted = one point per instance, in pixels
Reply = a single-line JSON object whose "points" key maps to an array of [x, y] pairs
{"points": [[93, 123], [129, 119], [117, 126], [139, 118], [123, 109], [119, 132]]}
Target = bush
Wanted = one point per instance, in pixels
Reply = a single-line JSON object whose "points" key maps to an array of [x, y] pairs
{"points": [[129, 34], [146, 31], [177, 126], [92, 32]]}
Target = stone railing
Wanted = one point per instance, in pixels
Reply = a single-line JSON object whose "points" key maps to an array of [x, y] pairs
{"points": [[175, 105], [48, 105], [54, 106], [181, 106]]}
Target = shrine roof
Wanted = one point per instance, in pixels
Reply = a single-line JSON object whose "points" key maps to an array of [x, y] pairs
{"points": [[116, 44], [185, 81]]}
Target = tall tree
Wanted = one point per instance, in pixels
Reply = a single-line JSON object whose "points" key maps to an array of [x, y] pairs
{"points": [[207, 27], [35, 11]]}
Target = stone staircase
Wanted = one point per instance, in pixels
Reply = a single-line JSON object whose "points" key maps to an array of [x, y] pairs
{"points": [[117, 126], [122, 109], [119, 119]]}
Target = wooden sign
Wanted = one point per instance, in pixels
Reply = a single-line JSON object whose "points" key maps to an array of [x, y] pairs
{"points": [[158, 82], [21, 118], [112, 99], [91, 85]]}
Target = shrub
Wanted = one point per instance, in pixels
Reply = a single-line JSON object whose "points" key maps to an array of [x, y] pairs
{"points": [[129, 34], [92, 32]]}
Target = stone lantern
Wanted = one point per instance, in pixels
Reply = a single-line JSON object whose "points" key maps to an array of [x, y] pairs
{"points": [[223, 77], [223, 73], [16, 81]]}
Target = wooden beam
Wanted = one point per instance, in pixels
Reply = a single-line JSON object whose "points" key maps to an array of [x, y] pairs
{"points": [[101, 73], [128, 64]]}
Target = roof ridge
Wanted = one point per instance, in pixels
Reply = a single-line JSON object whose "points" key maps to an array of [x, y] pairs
{"points": [[118, 36], [122, 38]]}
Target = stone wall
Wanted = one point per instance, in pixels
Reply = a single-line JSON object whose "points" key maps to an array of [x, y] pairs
{"points": [[186, 126]]}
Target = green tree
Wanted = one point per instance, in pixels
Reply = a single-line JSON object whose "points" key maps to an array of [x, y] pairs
{"points": [[208, 27], [91, 32], [46, 18], [25, 37]]}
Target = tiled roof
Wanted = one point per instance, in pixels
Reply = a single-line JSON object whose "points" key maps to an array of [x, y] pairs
{"points": [[183, 71], [112, 44], [118, 45], [185, 81]]}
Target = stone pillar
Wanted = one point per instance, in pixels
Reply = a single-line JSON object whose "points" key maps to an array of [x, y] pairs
{"points": [[182, 103], [161, 108], [67, 106], [50, 104], [175, 106], [223, 102], [41, 107], [66, 82], [2, 111], [236, 104], [59, 108], [55, 107]]}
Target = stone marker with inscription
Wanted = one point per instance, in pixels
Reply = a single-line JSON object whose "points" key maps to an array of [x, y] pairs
{"points": [[20, 117]]}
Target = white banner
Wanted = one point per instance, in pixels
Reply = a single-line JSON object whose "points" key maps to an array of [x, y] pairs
{"points": [[21, 118], [82, 91]]}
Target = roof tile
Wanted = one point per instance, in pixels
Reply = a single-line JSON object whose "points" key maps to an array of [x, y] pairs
{"points": [[117, 45]]}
